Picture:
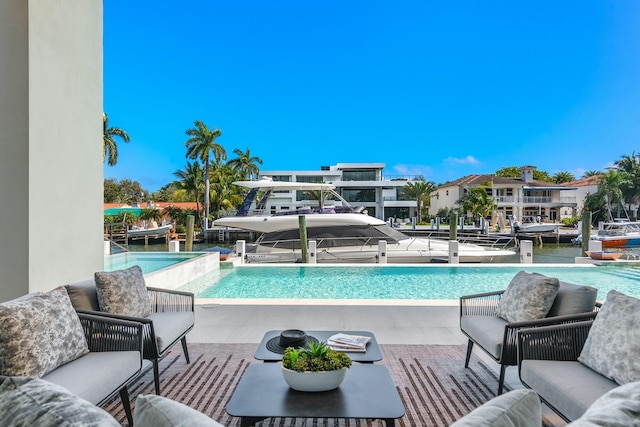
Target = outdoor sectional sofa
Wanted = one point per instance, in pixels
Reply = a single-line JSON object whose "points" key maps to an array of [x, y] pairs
{"points": [[93, 357]]}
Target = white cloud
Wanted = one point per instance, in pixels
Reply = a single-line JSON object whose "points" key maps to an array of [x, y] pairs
{"points": [[469, 160], [412, 170]]}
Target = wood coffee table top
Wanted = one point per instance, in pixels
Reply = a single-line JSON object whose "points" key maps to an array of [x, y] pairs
{"points": [[368, 392]]}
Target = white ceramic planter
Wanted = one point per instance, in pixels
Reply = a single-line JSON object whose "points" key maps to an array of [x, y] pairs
{"points": [[314, 381]]}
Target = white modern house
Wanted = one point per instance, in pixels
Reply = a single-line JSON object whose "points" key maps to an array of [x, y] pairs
{"points": [[360, 184], [520, 197]]}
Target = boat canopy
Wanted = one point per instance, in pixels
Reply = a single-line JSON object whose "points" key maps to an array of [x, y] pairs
{"points": [[268, 184]]}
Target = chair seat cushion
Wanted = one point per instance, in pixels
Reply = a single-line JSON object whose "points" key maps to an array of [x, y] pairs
{"points": [[39, 403], [486, 331], [517, 408], [96, 375], [170, 326], [570, 387], [39, 333]]}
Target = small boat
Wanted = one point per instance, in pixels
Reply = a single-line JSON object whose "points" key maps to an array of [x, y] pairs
{"points": [[158, 231], [534, 224], [604, 256], [616, 234]]}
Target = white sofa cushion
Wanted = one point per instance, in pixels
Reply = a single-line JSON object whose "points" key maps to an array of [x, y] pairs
{"points": [[158, 411], [517, 408]]}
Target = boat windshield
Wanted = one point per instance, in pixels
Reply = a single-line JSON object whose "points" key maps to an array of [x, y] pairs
{"points": [[335, 236]]}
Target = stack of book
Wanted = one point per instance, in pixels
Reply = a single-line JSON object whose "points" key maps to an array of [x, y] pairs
{"points": [[346, 342]]}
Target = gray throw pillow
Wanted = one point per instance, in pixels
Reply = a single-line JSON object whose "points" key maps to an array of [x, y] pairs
{"points": [[528, 297], [39, 403], [613, 344], [123, 292], [619, 407], [39, 333], [517, 408], [158, 411]]}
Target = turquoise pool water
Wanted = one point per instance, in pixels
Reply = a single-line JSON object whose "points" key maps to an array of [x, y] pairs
{"points": [[148, 261], [395, 282]]}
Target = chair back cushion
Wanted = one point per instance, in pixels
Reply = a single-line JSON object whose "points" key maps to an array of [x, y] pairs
{"points": [[158, 411], [573, 299], [83, 295], [38, 334], [123, 292], [528, 297], [613, 344]]}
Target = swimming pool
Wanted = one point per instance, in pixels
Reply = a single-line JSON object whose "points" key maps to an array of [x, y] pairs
{"points": [[148, 261], [395, 282]]}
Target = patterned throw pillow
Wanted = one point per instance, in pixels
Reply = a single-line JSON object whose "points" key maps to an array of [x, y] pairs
{"points": [[123, 292], [158, 411], [619, 407], [528, 297], [613, 344], [39, 403], [39, 333]]}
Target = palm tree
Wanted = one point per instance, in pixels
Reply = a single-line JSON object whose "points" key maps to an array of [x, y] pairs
{"points": [[478, 202], [245, 164], [631, 187], [200, 146], [563, 176], [109, 145], [225, 195], [191, 181], [420, 191], [591, 173], [611, 187]]}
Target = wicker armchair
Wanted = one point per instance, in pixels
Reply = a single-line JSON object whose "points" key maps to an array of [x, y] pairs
{"points": [[548, 363], [497, 337], [172, 317]]}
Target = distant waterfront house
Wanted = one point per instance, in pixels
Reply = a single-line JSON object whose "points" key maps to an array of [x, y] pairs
{"points": [[360, 184], [522, 196], [584, 187]]}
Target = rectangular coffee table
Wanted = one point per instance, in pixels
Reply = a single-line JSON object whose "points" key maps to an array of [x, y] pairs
{"points": [[372, 354], [367, 392]]}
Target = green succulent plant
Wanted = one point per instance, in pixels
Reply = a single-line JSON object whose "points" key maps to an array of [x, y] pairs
{"points": [[317, 358]]}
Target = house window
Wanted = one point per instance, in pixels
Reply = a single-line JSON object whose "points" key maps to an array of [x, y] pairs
{"points": [[359, 196], [360, 175]]}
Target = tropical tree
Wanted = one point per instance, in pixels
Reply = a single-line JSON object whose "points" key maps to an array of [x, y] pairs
{"points": [[109, 145], [420, 191], [514, 172], [591, 173], [200, 145], [191, 181], [224, 194], [125, 191], [151, 214], [611, 188], [630, 165], [563, 176], [478, 202], [245, 164]]}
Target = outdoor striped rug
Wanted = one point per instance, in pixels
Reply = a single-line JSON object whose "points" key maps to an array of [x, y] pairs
{"points": [[432, 382]]}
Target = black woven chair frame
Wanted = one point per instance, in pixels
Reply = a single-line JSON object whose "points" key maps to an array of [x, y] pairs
{"points": [[556, 342], [486, 304]]}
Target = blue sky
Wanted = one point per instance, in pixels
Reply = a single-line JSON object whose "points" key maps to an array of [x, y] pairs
{"points": [[440, 89]]}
